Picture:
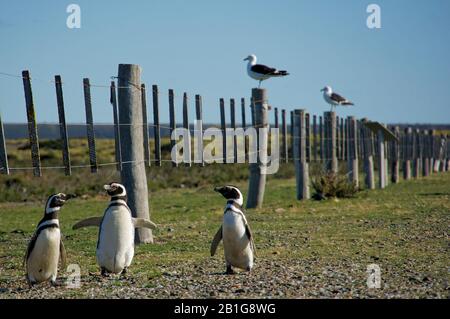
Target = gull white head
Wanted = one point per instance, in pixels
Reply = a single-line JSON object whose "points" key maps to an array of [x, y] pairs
{"points": [[327, 90], [251, 58]]}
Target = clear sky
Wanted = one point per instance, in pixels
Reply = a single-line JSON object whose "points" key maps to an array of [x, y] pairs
{"points": [[399, 73]]}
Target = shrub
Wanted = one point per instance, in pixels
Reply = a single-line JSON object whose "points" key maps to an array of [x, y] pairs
{"points": [[330, 184]]}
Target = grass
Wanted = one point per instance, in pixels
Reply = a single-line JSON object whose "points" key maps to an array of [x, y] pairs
{"points": [[403, 228]]}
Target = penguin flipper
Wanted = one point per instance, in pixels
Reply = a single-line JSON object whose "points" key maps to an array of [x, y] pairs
{"points": [[144, 223], [62, 254], [92, 221], [249, 234], [29, 248], [216, 240]]}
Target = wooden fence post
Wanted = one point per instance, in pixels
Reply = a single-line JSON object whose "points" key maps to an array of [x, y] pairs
{"points": [[257, 180], [307, 138], [314, 132], [432, 146], [426, 154], [223, 127], [32, 127], [368, 157], [199, 127], [321, 139], [90, 132], [343, 140], [187, 144], [352, 162], [442, 150], [407, 154], [291, 133], [448, 154], [444, 153], [284, 144], [437, 153], [301, 164], [133, 168], [63, 126], [244, 126], [338, 141], [146, 144], [330, 137], [381, 161], [4, 168], [233, 126], [395, 158], [117, 144], [156, 125], [346, 139], [276, 123], [173, 125], [416, 153]]}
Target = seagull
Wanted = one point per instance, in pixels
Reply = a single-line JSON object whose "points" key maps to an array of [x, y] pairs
{"points": [[333, 98], [261, 72]]}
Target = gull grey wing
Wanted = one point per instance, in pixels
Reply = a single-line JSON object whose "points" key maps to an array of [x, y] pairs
{"points": [[92, 221], [30, 248], [337, 98], [143, 223], [249, 234], [62, 254], [216, 240], [262, 69]]}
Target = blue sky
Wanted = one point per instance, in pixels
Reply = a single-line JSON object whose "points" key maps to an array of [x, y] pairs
{"points": [[399, 73]]}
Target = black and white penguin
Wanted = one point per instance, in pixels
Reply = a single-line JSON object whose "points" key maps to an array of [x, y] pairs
{"points": [[115, 245], [46, 248], [239, 248]]}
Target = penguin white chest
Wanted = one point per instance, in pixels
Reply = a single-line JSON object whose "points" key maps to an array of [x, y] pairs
{"points": [[42, 263], [115, 247], [236, 244]]}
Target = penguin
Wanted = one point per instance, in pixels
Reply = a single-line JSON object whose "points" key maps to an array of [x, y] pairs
{"points": [[46, 248], [115, 244], [239, 248]]}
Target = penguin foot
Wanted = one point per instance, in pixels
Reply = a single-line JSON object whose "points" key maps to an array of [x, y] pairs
{"points": [[104, 272], [248, 268], [54, 283], [229, 271], [123, 274]]}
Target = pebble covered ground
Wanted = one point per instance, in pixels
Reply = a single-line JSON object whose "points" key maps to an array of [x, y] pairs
{"points": [[304, 249]]}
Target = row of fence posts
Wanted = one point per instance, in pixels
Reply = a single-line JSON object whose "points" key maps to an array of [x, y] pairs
{"points": [[418, 153], [327, 139]]}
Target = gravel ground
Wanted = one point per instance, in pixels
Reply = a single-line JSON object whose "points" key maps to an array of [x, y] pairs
{"points": [[271, 278]]}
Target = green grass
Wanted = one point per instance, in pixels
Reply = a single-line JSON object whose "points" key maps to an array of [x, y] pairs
{"points": [[404, 228]]}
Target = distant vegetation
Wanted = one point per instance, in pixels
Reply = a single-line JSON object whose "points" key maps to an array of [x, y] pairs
{"points": [[21, 185]]}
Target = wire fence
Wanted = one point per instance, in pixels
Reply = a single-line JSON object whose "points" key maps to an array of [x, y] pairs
{"points": [[329, 139]]}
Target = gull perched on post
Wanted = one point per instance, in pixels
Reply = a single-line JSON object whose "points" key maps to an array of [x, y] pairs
{"points": [[261, 72], [333, 98]]}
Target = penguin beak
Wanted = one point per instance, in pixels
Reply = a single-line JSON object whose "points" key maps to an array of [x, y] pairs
{"points": [[218, 189], [70, 196], [107, 187]]}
